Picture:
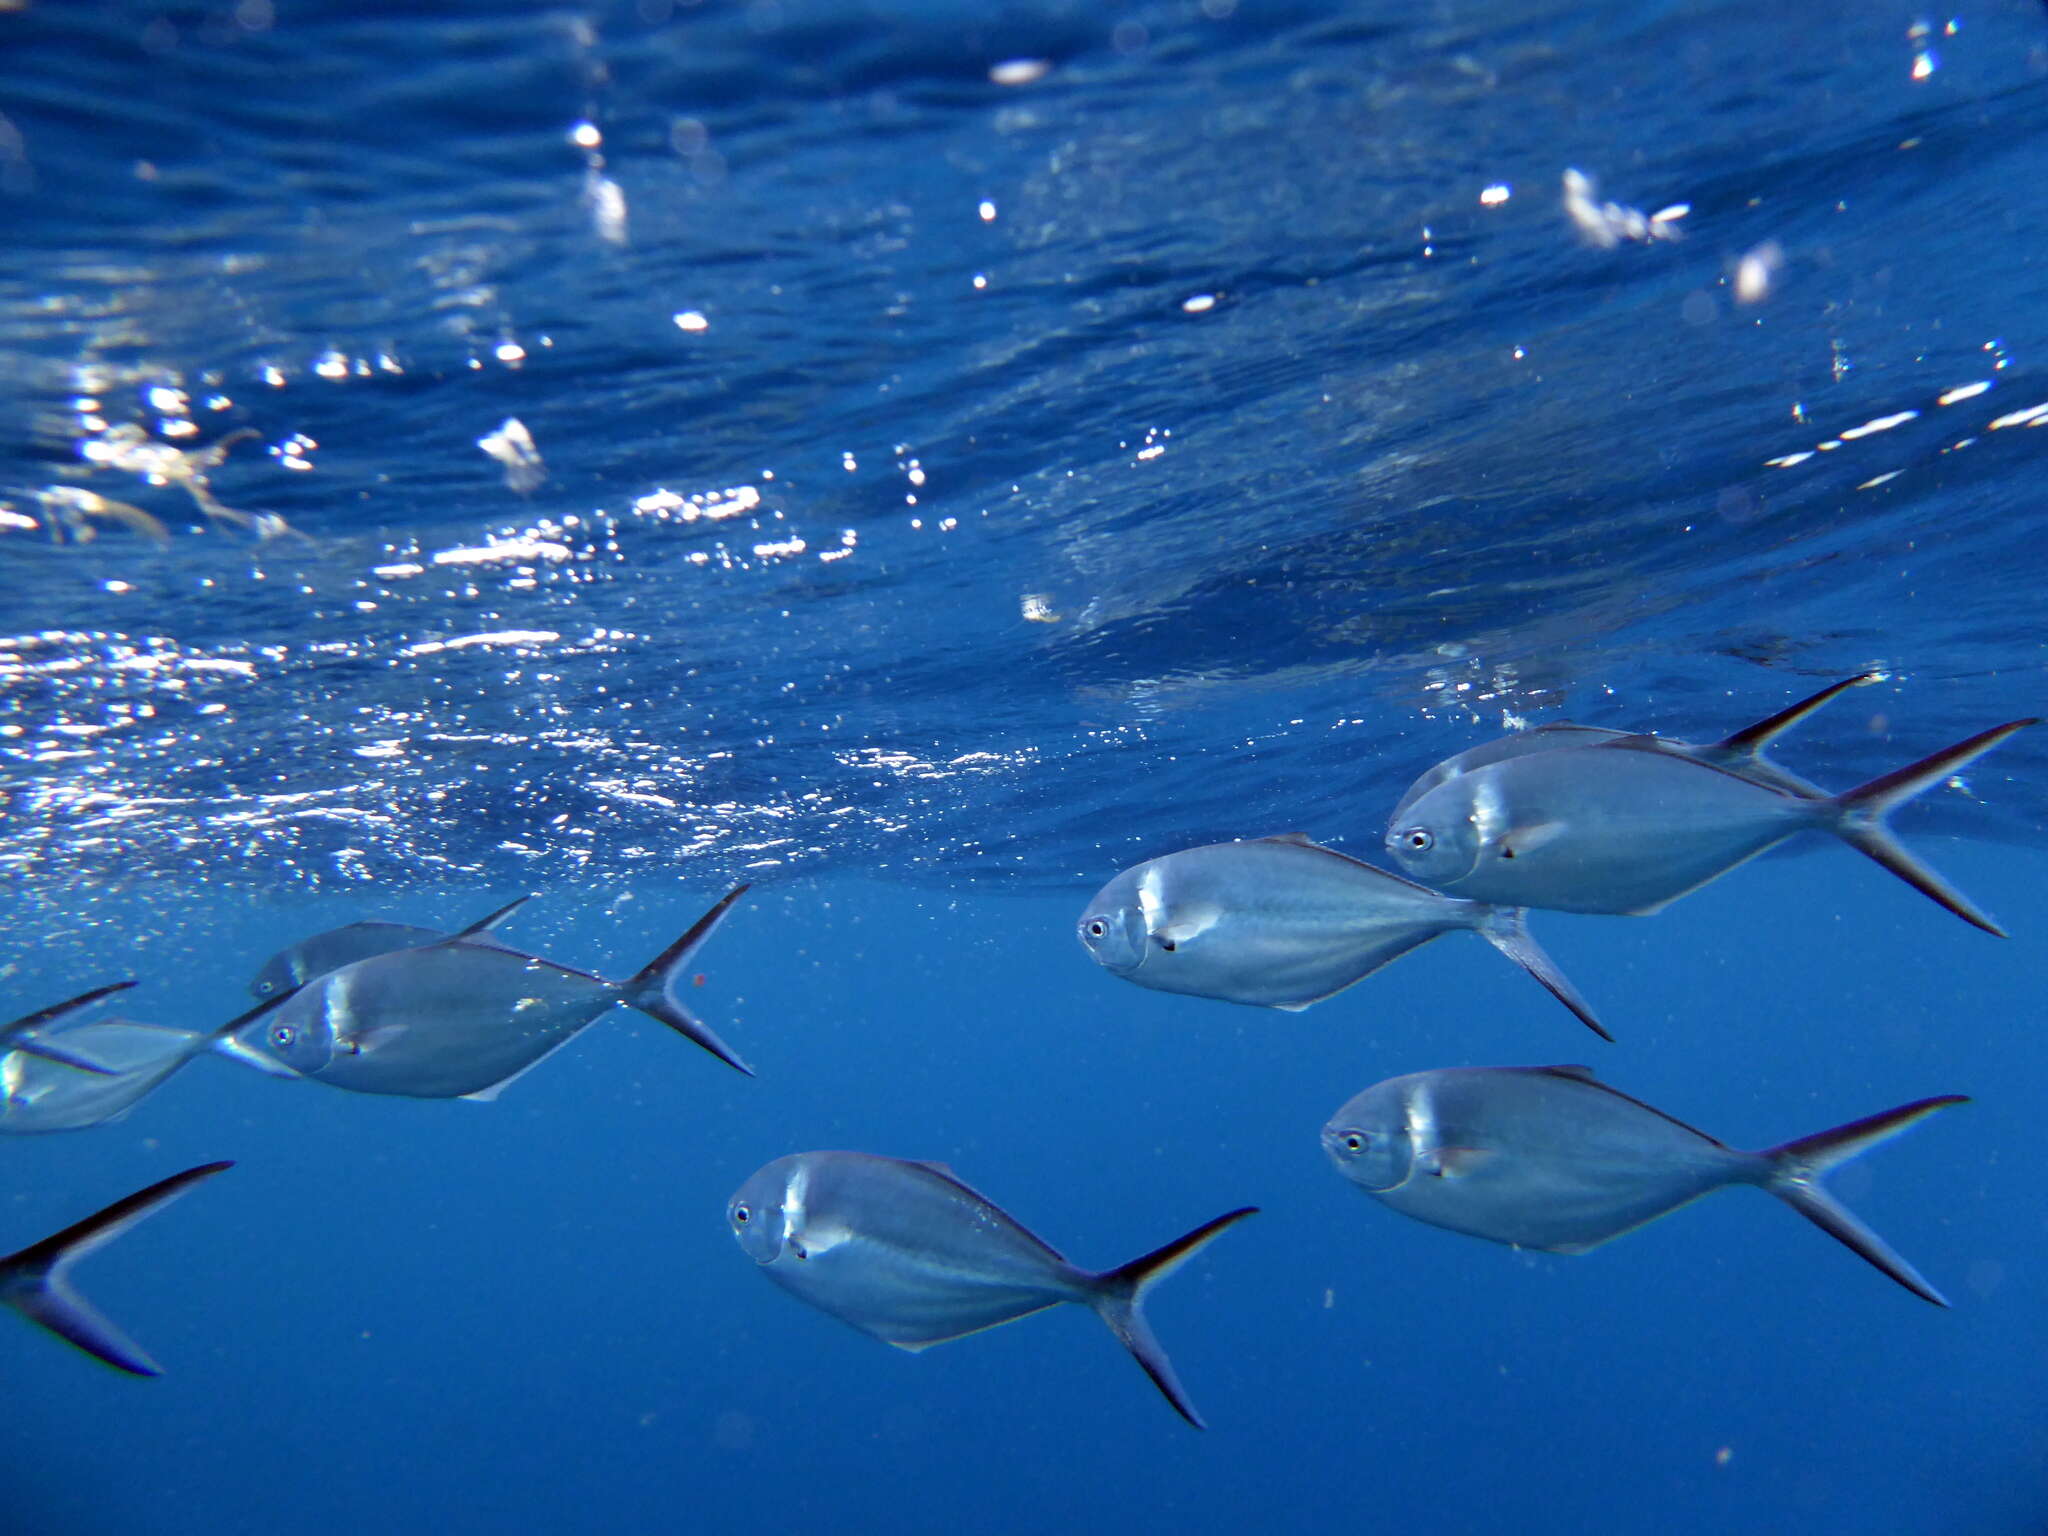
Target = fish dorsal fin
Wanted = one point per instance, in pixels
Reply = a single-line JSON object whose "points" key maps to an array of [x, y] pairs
{"points": [[486, 924], [1572, 1072], [1752, 739], [1657, 746], [995, 1212], [1303, 840]]}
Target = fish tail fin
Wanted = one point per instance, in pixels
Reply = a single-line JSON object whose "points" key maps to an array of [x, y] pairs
{"points": [[1118, 1296], [20, 1035], [1798, 1167], [1507, 930], [222, 1041], [1752, 739], [653, 989], [486, 924], [1861, 818], [36, 1283]]}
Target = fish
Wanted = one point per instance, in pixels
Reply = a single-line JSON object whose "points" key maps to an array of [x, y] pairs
{"points": [[292, 967], [1551, 1158], [1625, 827], [453, 1019], [35, 1281], [908, 1254], [1740, 753], [21, 1038], [1283, 922], [130, 1060]]}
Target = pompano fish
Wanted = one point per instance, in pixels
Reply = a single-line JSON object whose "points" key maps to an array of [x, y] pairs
{"points": [[24, 1038], [36, 1284], [291, 968], [1626, 827], [1551, 1158], [452, 1019], [130, 1060], [907, 1253], [1741, 753], [1282, 922]]}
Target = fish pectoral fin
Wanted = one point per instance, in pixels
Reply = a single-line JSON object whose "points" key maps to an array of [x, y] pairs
{"points": [[1299, 839], [1182, 923], [940, 1168], [1526, 840], [1296, 1007], [1453, 1162], [372, 1038], [1572, 1069]]}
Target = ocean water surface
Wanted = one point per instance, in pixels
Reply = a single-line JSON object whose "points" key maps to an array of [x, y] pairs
{"points": [[922, 459]]}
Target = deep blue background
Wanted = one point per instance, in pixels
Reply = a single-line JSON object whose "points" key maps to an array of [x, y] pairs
{"points": [[1429, 469]]}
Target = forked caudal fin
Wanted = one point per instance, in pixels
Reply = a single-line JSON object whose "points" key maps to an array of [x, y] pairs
{"points": [[1752, 739], [1507, 930], [1118, 1296], [1798, 1167], [20, 1035], [35, 1282], [653, 989], [1861, 814], [224, 1040]]}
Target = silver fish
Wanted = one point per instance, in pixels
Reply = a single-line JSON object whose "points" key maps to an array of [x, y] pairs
{"points": [[1282, 922], [454, 1020], [131, 1060], [24, 1038], [1550, 1158], [908, 1254], [36, 1284], [292, 967], [1625, 827], [1741, 753]]}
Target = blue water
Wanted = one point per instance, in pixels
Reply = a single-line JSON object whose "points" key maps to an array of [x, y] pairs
{"points": [[954, 491]]}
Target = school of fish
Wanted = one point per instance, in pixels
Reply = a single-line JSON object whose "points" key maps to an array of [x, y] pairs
{"points": [[1562, 818]]}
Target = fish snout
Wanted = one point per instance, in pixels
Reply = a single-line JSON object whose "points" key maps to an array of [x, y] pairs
{"points": [[1425, 854], [757, 1230], [1114, 938], [1374, 1160]]}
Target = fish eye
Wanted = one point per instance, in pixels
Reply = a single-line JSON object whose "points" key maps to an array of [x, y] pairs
{"points": [[1097, 927], [1418, 839], [1354, 1142], [741, 1215], [283, 1035], [265, 988]]}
